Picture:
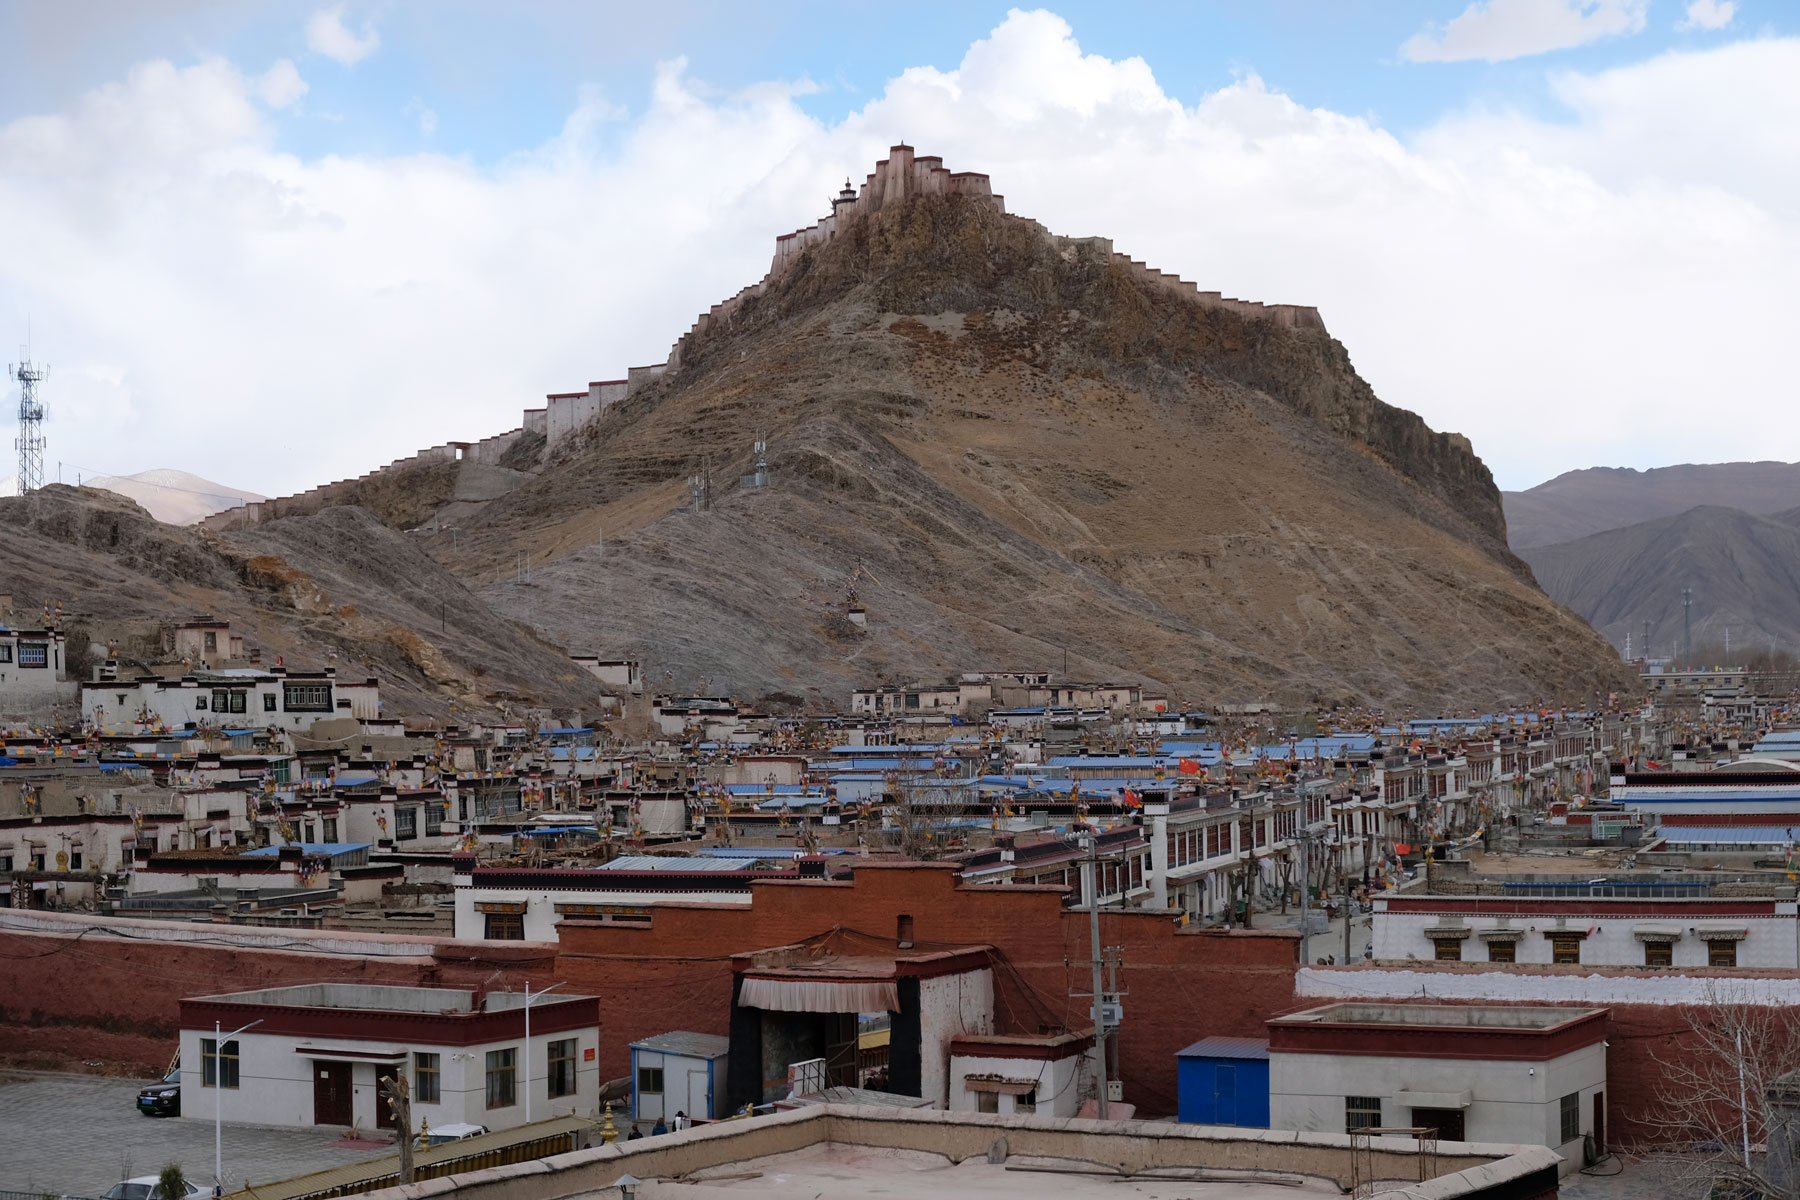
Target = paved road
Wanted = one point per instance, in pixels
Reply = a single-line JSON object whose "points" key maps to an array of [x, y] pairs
{"points": [[80, 1134]]}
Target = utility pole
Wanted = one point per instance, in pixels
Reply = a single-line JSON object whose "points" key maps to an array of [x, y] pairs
{"points": [[1687, 622], [1347, 914], [1305, 840], [1090, 870]]}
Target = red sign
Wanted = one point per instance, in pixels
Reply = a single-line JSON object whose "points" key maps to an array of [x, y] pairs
{"points": [[587, 1055]]}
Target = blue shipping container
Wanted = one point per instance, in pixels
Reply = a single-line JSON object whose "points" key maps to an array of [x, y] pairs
{"points": [[1223, 1081]]}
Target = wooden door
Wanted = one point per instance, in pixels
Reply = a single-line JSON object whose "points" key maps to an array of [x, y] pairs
{"points": [[331, 1093]]}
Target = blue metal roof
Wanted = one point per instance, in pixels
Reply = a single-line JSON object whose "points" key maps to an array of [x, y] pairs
{"points": [[1745, 835], [1226, 1047], [331, 848]]}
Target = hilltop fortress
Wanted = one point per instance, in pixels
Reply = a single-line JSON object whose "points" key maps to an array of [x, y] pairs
{"points": [[489, 465]]}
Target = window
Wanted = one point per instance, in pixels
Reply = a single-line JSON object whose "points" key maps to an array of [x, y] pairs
{"points": [[1571, 1117], [903, 931], [228, 701], [1026, 1103], [1565, 948], [1361, 1112], [5, 652], [562, 1068], [1721, 952], [212, 641], [1659, 954], [506, 927], [200, 703], [501, 1092], [406, 823], [1507, 951], [34, 654], [988, 1102], [328, 829], [6, 862], [425, 1078], [1447, 949], [306, 697], [218, 1069], [650, 1081], [268, 701], [434, 818], [74, 860]]}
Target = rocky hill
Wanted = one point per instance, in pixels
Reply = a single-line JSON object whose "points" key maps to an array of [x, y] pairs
{"points": [[1744, 571], [335, 589], [1030, 447], [1578, 503]]}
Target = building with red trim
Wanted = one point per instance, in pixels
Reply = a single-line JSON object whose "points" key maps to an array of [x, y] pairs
{"points": [[316, 1053]]}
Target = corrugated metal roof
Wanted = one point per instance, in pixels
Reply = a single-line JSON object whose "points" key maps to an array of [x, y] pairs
{"points": [[1227, 1047], [1749, 835], [692, 1045], [335, 1179]]}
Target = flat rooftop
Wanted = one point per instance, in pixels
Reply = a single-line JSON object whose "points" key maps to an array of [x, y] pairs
{"points": [[382, 998], [1440, 1016], [840, 1169]]}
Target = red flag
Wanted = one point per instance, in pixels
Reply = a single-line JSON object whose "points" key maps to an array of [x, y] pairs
{"points": [[1187, 766]]}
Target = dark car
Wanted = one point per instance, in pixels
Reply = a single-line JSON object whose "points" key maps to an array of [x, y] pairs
{"points": [[162, 1099]]}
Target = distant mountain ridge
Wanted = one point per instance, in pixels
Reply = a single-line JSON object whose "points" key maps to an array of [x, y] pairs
{"points": [[1743, 569], [174, 497], [1578, 503]]}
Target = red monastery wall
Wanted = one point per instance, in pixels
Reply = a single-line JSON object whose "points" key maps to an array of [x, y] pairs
{"points": [[76, 991], [1181, 984]]}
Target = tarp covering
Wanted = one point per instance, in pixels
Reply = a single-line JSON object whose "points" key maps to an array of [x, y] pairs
{"points": [[819, 995]]}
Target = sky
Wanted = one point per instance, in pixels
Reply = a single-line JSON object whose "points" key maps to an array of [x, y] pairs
{"points": [[277, 244]]}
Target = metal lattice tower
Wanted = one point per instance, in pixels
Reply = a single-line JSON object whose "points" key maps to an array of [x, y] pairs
{"points": [[30, 442]]}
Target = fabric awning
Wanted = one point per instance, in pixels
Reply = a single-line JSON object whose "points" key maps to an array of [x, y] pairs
{"points": [[376, 1056], [1656, 933], [1441, 932], [820, 995], [1500, 935], [1723, 933]]}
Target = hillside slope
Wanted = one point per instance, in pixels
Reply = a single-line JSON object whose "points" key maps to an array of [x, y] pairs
{"points": [[334, 589], [1033, 449], [1744, 571], [1578, 503]]}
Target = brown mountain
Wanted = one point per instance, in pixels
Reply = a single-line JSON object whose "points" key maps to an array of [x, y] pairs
{"points": [[1578, 503], [337, 588], [1027, 449], [1032, 447], [1743, 570]]}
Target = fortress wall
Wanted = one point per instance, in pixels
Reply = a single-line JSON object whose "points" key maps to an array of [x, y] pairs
{"points": [[900, 175]]}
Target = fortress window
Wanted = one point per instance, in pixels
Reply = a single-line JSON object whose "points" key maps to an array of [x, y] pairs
{"points": [[34, 654], [306, 697]]}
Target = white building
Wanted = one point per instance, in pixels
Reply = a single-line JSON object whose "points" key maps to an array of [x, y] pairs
{"points": [[1660, 920], [317, 1052], [1048, 1074], [32, 666], [247, 698], [1478, 1073]]}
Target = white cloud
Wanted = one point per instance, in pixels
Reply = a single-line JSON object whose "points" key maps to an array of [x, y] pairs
{"points": [[1563, 292], [1495, 30], [281, 85], [1707, 14], [427, 118], [327, 34]]}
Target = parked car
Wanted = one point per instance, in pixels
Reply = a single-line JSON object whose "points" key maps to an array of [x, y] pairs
{"points": [[147, 1187], [452, 1133], [162, 1098]]}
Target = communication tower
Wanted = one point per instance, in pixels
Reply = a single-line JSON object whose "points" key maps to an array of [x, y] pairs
{"points": [[30, 442]]}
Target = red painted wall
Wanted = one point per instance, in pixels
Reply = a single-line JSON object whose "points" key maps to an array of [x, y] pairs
{"points": [[1180, 984]]}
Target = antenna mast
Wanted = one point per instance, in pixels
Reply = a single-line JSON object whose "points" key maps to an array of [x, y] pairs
{"points": [[30, 442]]}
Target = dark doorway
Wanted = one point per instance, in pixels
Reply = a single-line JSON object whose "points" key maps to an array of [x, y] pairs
{"points": [[1599, 1122], [1447, 1121], [331, 1093]]}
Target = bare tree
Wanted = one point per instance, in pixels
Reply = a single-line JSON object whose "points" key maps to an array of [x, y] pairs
{"points": [[919, 817], [399, 1097], [1712, 1110]]}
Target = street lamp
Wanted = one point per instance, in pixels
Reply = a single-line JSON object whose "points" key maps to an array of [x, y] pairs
{"points": [[528, 999], [219, 1041]]}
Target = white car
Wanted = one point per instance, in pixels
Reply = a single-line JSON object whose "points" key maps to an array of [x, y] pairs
{"points": [[148, 1187], [438, 1135]]}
